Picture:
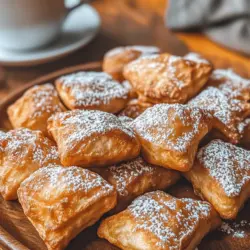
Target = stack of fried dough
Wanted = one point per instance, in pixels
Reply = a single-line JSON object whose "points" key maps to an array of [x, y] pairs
{"points": [[107, 146]]}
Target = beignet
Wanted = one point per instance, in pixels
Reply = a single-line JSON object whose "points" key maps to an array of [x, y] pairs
{"points": [[159, 221], [170, 134], [166, 78], [92, 138], [92, 90], [23, 151], [221, 175], [228, 112], [35, 107], [136, 177], [62, 201]]}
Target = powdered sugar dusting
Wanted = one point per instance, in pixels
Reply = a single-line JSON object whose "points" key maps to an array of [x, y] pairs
{"points": [[126, 121], [196, 58], [157, 76], [228, 164], [172, 125], [167, 218], [85, 123], [235, 229], [230, 83], [129, 171], [43, 100], [224, 108], [228, 73], [69, 179], [92, 88], [244, 126], [23, 143], [171, 73]]}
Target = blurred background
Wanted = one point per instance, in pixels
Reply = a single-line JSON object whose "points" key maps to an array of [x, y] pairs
{"points": [[150, 22]]}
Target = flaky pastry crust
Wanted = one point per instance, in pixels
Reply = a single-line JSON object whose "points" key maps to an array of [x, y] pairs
{"points": [[159, 221], [166, 78], [92, 90], [170, 134], [62, 201], [35, 107], [228, 112], [134, 178], [230, 84], [23, 151], [91, 138], [221, 175]]}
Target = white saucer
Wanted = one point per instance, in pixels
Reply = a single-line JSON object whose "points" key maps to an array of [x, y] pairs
{"points": [[80, 27]]}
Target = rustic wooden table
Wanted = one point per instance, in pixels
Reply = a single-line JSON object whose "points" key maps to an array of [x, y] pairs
{"points": [[129, 22]]}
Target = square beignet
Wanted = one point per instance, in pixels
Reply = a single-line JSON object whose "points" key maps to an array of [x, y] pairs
{"points": [[92, 138], [62, 201], [92, 90], [221, 175], [23, 151], [35, 107], [170, 134], [228, 112], [136, 177], [159, 221], [115, 59], [166, 78], [230, 84]]}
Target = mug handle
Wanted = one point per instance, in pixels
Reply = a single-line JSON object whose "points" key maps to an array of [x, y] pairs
{"points": [[77, 5]]}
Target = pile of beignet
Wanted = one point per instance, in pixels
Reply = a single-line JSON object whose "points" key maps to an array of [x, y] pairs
{"points": [[113, 142]]}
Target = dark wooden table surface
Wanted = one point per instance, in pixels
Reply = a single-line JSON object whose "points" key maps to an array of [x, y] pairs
{"points": [[129, 22]]}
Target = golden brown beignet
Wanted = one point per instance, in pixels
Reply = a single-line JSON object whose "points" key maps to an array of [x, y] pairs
{"points": [[60, 202], [92, 138], [23, 151], [228, 112], [170, 134], [230, 84], [35, 107], [92, 90], [134, 108], [159, 221], [115, 59], [166, 78], [136, 177], [221, 175]]}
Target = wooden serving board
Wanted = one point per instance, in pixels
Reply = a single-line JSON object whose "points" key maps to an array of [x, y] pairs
{"points": [[17, 233]]}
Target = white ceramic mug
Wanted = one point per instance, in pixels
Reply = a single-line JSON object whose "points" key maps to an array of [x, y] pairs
{"points": [[29, 24]]}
